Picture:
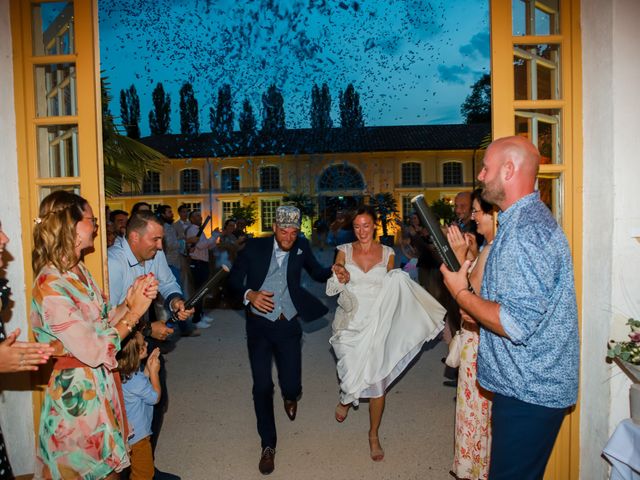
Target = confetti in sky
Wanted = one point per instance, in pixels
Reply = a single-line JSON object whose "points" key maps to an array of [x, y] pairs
{"points": [[412, 61]]}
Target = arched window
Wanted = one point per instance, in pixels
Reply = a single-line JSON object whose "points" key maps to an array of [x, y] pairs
{"points": [[341, 177], [269, 179], [452, 173], [230, 180], [190, 181], [151, 183], [411, 174]]}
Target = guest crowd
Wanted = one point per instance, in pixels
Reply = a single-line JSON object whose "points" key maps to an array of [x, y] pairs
{"points": [[509, 315]]}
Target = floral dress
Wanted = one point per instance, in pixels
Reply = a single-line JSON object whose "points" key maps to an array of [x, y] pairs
{"points": [[473, 414], [472, 448], [81, 425]]}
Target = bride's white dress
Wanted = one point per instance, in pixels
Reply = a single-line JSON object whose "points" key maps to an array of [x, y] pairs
{"points": [[384, 320]]}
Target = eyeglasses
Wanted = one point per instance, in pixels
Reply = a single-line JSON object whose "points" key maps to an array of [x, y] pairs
{"points": [[94, 220], [474, 211]]}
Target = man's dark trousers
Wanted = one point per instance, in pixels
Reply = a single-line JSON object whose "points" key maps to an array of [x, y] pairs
{"points": [[522, 438], [267, 340], [200, 274]]}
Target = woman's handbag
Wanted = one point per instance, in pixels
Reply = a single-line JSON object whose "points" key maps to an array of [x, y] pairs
{"points": [[455, 350]]}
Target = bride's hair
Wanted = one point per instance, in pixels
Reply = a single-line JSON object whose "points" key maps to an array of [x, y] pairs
{"points": [[367, 210]]}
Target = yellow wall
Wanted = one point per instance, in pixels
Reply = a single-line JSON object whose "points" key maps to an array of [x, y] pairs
{"points": [[381, 172]]}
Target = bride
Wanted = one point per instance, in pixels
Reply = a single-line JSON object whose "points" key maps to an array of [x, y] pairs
{"points": [[382, 320]]}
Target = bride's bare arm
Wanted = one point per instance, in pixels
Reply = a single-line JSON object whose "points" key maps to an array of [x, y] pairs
{"points": [[339, 269], [391, 263]]}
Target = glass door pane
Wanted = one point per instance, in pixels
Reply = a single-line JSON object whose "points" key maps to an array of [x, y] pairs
{"points": [[52, 24]]}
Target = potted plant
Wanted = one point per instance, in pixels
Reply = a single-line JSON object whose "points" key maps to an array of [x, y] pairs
{"points": [[248, 212], [627, 355], [387, 209]]}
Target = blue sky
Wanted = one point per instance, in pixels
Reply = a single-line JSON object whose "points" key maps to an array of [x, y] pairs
{"points": [[412, 61]]}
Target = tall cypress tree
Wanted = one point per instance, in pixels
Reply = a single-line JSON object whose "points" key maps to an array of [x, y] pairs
{"points": [[272, 112], [321, 108], [189, 116], [221, 118], [160, 116], [130, 111], [248, 125], [350, 109]]}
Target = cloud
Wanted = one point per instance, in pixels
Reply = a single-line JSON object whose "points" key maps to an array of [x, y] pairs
{"points": [[453, 74], [479, 44]]}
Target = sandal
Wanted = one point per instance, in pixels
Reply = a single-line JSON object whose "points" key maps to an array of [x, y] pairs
{"points": [[377, 453], [341, 412]]}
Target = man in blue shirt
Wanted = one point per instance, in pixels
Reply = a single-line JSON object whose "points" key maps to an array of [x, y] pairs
{"points": [[140, 253], [529, 346]]}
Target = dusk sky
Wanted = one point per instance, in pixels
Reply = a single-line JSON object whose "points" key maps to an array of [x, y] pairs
{"points": [[412, 61]]}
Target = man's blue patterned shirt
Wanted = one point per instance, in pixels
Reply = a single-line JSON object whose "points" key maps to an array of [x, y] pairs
{"points": [[529, 272]]}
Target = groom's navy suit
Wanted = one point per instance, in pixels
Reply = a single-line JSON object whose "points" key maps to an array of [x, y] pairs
{"points": [[276, 338]]}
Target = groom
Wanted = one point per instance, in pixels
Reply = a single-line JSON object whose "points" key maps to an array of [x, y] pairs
{"points": [[267, 275]]}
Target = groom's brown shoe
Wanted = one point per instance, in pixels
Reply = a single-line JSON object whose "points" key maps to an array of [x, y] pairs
{"points": [[267, 465], [291, 408]]}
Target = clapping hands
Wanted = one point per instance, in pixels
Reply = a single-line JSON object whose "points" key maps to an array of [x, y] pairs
{"points": [[464, 245], [140, 295], [153, 363], [17, 356]]}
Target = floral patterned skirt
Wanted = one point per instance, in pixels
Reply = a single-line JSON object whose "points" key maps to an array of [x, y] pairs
{"points": [[80, 433], [473, 415]]}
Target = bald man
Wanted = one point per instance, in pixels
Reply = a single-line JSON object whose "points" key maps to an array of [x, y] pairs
{"points": [[528, 354], [462, 210]]}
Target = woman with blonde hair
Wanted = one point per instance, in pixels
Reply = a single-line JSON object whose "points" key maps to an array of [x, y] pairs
{"points": [[82, 431]]}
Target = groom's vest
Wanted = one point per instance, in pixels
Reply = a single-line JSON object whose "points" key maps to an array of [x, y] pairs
{"points": [[276, 282]]}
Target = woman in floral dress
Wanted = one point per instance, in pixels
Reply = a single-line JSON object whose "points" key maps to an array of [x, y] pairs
{"points": [[473, 404], [82, 425]]}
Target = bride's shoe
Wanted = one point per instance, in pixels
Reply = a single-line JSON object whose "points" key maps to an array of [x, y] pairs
{"points": [[341, 412], [377, 453]]}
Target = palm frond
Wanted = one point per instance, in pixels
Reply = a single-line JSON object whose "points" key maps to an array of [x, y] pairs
{"points": [[125, 159]]}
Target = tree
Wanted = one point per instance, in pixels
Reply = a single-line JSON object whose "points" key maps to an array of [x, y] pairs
{"points": [[272, 112], [189, 116], [221, 121], [248, 212], [321, 108], [125, 159], [443, 210], [247, 124], [477, 106], [386, 207], [130, 111], [350, 109], [160, 116]]}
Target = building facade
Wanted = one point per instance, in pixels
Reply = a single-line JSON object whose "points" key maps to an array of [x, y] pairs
{"points": [[337, 170]]}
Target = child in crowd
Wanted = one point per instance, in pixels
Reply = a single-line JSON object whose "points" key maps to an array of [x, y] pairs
{"points": [[141, 391]]}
